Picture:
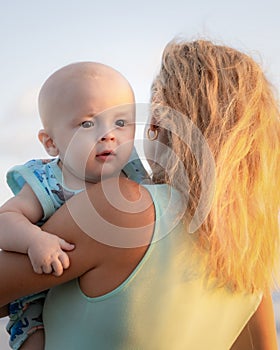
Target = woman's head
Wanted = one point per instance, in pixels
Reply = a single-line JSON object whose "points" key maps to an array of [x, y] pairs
{"points": [[223, 93]]}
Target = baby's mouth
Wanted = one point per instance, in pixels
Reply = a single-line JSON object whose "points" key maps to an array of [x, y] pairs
{"points": [[105, 154]]}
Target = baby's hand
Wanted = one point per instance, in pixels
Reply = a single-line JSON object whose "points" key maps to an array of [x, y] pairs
{"points": [[47, 254]]}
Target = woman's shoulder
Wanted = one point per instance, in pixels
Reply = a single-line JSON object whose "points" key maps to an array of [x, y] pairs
{"points": [[113, 211], [127, 204]]}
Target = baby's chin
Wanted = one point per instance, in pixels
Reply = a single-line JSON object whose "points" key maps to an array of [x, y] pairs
{"points": [[104, 176]]}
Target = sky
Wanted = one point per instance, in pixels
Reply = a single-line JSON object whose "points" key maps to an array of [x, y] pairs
{"points": [[38, 37]]}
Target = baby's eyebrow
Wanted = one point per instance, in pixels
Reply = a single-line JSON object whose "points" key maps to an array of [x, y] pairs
{"points": [[87, 116], [80, 118]]}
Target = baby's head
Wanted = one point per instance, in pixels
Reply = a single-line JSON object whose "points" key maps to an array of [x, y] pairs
{"points": [[88, 114]]}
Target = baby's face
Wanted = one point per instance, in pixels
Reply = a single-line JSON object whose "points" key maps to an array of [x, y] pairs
{"points": [[95, 131]]}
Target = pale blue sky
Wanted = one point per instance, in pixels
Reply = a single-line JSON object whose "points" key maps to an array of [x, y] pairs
{"points": [[37, 37]]}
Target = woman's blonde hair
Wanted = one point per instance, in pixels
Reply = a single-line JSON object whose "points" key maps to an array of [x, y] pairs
{"points": [[227, 97]]}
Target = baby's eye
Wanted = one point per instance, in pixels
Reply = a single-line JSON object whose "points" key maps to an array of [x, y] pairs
{"points": [[87, 124], [120, 122]]}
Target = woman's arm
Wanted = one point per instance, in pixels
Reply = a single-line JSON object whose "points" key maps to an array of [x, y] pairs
{"points": [[17, 275], [260, 331], [102, 221], [4, 311], [263, 327]]}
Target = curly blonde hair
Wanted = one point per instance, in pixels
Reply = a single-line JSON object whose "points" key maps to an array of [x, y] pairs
{"points": [[224, 94]]}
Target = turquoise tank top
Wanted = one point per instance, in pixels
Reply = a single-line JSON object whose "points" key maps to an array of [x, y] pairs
{"points": [[165, 303]]}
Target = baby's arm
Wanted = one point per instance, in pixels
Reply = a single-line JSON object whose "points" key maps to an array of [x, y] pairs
{"points": [[18, 233]]}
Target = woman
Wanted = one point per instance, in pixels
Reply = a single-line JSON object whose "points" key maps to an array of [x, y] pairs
{"points": [[145, 281]]}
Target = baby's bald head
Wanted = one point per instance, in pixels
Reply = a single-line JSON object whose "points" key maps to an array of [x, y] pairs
{"points": [[74, 83]]}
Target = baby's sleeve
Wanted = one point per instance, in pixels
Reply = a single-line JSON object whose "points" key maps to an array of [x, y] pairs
{"points": [[134, 169], [33, 173]]}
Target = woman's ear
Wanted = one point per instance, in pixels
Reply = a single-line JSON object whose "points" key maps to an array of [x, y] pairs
{"points": [[154, 127], [153, 123], [48, 143]]}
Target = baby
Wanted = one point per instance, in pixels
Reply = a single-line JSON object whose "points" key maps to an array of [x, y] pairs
{"points": [[88, 114]]}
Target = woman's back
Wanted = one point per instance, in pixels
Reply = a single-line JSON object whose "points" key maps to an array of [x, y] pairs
{"points": [[164, 304]]}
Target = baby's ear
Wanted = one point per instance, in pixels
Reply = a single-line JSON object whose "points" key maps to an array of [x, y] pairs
{"points": [[48, 143]]}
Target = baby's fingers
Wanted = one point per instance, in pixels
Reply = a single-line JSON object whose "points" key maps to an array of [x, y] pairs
{"points": [[47, 268], [61, 263], [65, 245], [37, 269], [57, 268], [64, 259]]}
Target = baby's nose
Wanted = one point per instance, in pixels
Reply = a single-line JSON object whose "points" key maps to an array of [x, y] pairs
{"points": [[109, 136]]}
